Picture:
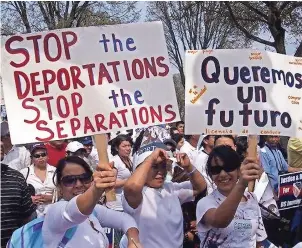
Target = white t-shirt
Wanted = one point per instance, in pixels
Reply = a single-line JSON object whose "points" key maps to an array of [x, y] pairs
{"points": [[93, 157], [159, 216], [17, 158], [46, 188], [63, 215], [245, 229], [190, 150], [122, 174], [200, 163]]}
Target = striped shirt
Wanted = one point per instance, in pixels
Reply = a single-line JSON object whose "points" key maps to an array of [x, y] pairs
{"points": [[16, 203]]}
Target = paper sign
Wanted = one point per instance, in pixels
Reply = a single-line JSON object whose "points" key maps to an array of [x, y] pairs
{"points": [[243, 92], [77, 82], [290, 190]]}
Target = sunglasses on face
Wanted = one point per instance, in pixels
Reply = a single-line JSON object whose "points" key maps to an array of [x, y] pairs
{"points": [[215, 170], [70, 181], [39, 155]]}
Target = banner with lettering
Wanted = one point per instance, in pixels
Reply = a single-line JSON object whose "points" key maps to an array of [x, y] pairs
{"points": [[77, 82], [243, 92], [290, 190]]}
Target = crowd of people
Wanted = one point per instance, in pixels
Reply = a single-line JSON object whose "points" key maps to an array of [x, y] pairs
{"points": [[172, 190]]}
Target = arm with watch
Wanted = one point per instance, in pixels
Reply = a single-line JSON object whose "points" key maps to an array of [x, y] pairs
{"points": [[197, 180]]}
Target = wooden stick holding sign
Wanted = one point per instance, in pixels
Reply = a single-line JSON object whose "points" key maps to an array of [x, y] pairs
{"points": [[101, 146], [252, 153]]}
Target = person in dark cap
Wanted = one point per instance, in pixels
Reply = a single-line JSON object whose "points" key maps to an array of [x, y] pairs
{"points": [[16, 157]]}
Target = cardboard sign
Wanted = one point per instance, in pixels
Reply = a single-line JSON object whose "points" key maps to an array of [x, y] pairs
{"points": [[76, 82], [290, 190], [243, 92]]}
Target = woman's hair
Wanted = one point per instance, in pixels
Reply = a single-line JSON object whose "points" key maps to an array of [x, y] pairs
{"points": [[117, 141], [226, 154], [225, 136], [177, 137], [63, 163], [241, 146]]}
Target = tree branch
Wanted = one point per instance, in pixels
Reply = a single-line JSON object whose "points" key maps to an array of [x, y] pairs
{"points": [[258, 12], [246, 32], [298, 52]]}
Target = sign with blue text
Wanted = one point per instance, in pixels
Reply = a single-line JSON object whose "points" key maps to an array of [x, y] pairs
{"points": [[243, 92], [77, 82]]}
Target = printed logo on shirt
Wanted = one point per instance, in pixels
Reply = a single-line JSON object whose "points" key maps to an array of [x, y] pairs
{"points": [[242, 225]]}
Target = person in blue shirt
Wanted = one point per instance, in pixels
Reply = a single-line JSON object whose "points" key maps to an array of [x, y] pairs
{"points": [[273, 161]]}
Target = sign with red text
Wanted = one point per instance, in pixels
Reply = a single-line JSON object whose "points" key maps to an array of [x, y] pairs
{"points": [[77, 82], [243, 92], [290, 190]]}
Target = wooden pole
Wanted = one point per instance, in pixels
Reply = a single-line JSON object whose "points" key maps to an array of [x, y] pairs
{"points": [[101, 146], [252, 153]]}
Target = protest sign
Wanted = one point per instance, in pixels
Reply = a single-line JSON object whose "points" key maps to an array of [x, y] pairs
{"points": [[290, 190], [84, 81], [243, 92]]}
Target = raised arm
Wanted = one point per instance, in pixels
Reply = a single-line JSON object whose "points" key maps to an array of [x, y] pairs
{"points": [[222, 216], [135, 184], [197, 180]]}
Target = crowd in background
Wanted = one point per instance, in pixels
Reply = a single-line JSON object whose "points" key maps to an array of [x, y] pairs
{"points": [[29, 183]]}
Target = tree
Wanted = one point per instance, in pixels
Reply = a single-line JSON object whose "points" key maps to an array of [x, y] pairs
{"points": [[193, 26], [27, 17], [282, 20]]}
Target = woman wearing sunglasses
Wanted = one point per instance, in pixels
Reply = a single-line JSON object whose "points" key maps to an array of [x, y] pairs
{"points": [[39, 177], [80, 192], [230, 216]]}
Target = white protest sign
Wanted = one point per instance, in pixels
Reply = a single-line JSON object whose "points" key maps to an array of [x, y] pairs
{"points": [[243, 92], [77, 82]]}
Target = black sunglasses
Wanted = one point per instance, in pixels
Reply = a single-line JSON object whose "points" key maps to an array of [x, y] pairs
{"points": [[215, 170], [70, 181], [38, 155]]}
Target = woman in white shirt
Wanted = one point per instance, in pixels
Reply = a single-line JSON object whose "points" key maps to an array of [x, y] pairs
{"points": [[121, 150], [230, 217], [40, 176], [80, 192], [156, 204]]}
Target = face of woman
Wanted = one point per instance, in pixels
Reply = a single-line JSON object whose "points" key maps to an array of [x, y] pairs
{"points": [[124, 149], [225, 179], [40, 157], [157, 175], [180, 143], [75, 181]]}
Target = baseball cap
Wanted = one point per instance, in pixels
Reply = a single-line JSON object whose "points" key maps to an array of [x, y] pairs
{"points": [[74, 146], [4, 128], [86, 140], [201, 138], [146, 151], [36, 147]]}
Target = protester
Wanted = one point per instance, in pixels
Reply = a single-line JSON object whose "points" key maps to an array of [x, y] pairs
{"points": [[180, 126], [294, 151], [190, 146], [227, 140], [121, 151], [273, 161], [230, 216], [16, 157], [173, 130], [91, 154], [55, 151], [40, 176], [17, 207], [80, 193], [200, 161], [179, 139], [156, 204]]}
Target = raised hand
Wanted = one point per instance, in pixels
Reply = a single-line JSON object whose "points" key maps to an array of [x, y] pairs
{"points": [[158, 156], [249, 171], [105, 176]]}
